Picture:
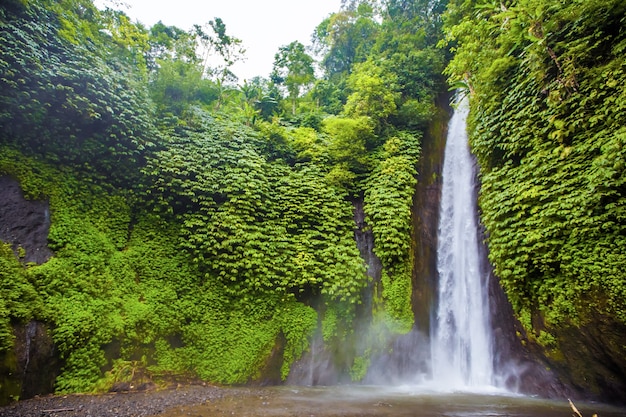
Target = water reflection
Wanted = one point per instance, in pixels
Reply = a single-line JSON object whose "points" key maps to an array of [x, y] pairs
{"points": [[402, 401]]}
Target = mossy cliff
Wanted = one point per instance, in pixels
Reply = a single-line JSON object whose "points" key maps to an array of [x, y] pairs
{"points": [[547, 124]]}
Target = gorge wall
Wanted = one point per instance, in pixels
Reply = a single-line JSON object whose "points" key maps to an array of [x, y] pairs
{"points": [[31, 367]]}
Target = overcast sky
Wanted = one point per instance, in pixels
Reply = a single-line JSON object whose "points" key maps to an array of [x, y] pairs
{"points": [[262, 25]]}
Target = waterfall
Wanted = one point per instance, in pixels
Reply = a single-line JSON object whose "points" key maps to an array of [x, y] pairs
{"points": [[461, 335], [29, 335]]}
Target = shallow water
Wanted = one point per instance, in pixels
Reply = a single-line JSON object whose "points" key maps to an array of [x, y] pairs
{"points": [[383, 401]]}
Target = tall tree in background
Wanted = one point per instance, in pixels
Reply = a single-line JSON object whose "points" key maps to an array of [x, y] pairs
{"points": [[228, 48], [293, 68], [132, 39], [345, 38], [170, 42]]}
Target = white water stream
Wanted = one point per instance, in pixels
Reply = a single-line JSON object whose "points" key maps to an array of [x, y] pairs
{"points": [[461, 338]]}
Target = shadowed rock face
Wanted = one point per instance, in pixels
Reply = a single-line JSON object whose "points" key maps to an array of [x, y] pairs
{"points": [[32, 366], [24, 223], [591, 358], [588, 363], [38, 364], [425, 217]]}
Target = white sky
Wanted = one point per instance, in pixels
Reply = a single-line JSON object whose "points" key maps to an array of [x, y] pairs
{"points": [[262, 25]]}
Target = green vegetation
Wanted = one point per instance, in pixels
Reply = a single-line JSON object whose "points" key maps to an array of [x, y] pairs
{"points": [[195, 221], [548, 126], [18, 300]]}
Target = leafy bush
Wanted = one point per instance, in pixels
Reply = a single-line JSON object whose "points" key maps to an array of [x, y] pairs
{"points": [[18, 299], [257, 226]]}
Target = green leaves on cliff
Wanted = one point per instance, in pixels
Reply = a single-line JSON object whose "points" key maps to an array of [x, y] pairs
{"points": [[388, 201], [547, 125], [191, 226], [105, 301], [389, 196], [67, 101], [258, 226]]}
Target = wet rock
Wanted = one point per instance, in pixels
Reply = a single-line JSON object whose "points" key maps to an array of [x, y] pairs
{"points": [[24, 223], [592, 358], [121, 387], [146, 386], [38, 361], [316, 367], [425, 216], [270, 374], [31, 367]]}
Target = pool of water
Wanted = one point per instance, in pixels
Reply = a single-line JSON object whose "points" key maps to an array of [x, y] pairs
{"points": [[383, 401]]}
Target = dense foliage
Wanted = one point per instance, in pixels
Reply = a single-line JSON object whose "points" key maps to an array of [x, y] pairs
{"points": [[75, 101], [548, 125], [195, 222]]}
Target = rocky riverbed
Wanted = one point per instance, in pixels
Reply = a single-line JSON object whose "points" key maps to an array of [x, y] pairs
{"points": [[122, 404], [292, 401]]}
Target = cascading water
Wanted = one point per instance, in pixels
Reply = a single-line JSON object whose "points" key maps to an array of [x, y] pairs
{"points": [[451, 347], [461, 335]]}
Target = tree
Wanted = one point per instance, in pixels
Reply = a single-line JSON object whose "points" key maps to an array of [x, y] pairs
{"points": [[350, 139], [131, 39], [345, 38], [293, 68], [262, 95], [228, 48], [373, 93], [175, 86], [329, 96], [170, 42]]}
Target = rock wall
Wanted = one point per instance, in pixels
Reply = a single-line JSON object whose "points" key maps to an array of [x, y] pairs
{"points": [[425, 215], [32, 366], [24, 223], [590, 358]]}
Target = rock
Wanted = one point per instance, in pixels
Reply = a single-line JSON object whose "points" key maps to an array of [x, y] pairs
{"points": [[24, 223], [121, 387], [32, 366]]}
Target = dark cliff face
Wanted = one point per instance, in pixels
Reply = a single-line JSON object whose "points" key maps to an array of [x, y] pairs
{"points": [[24, 223], [586, 362], [425, 216], [590, 358], [38, 363], [32, 366], [521, 366]]}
